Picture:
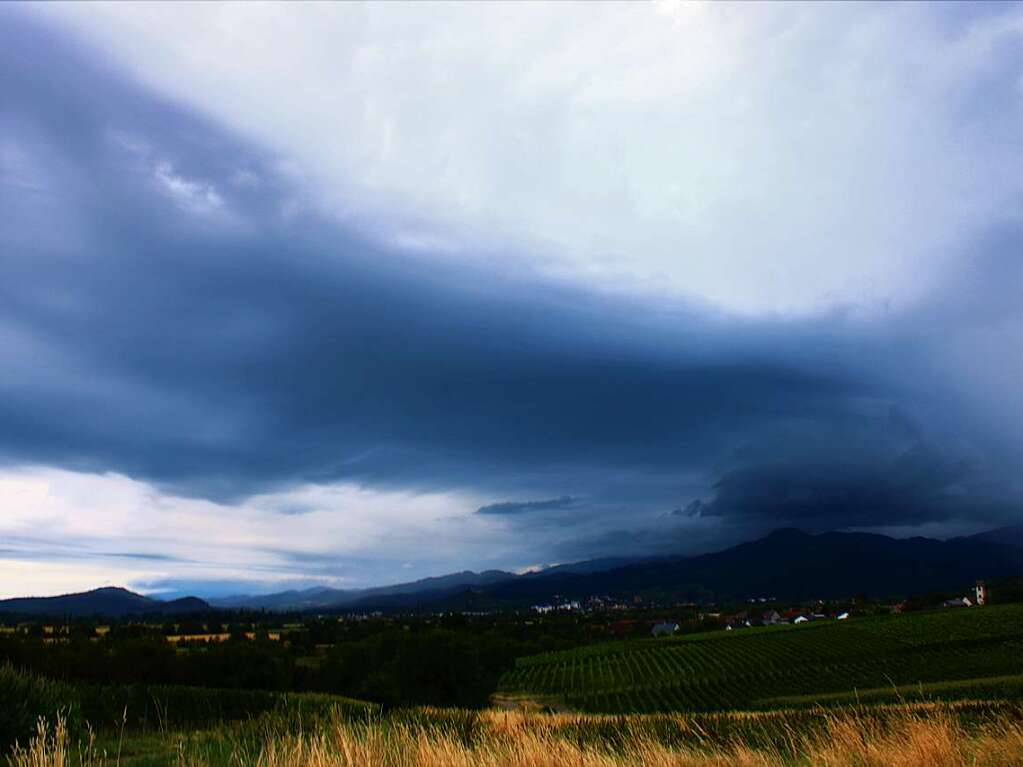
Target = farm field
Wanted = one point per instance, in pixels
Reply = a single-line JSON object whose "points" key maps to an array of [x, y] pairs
{"points": [[968, 653]]}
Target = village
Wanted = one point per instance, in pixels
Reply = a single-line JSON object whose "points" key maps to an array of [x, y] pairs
{"points": [[762, 611]]}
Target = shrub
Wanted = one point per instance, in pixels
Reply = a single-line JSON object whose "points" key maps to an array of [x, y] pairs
{"points": [[25, 698]]}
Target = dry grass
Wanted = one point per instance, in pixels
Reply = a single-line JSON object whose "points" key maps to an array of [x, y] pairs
{"points": [[909, 736], [929, 736], [51, 747]]}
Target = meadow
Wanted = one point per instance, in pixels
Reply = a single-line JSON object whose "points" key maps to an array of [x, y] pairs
{"points": [[950, 654]]}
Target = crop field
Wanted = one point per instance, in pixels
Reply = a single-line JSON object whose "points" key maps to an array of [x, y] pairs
{"points": [[943, 654]]}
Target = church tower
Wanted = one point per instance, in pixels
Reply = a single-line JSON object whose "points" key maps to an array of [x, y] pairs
{"points": [[980, 592]]}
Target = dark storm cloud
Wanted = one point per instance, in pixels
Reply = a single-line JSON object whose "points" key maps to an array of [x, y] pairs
{"points": [[166, 313], [220, 359], [844, 489], [523, 507]]}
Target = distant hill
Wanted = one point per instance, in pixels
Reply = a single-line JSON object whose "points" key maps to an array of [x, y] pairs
{"points": [[109, 602], [787, 564], [1009, 536], [405, 595], [292, 599], [322, 598], [591, 566]]}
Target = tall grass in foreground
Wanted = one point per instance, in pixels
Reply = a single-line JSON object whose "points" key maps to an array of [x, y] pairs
{"points": [[53, 748], [929, 735]]}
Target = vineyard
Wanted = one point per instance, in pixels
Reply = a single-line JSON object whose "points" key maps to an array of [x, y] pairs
{"points": [[935, 654]]}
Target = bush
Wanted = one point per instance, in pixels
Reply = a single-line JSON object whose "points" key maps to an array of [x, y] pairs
{"points": [[24, 698]]}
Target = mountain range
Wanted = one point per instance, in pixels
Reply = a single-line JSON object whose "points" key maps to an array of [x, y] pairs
{"points": [[787, 564]]}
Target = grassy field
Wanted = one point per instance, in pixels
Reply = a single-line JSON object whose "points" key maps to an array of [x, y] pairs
{"points": [[950, 654], [908, 735]]}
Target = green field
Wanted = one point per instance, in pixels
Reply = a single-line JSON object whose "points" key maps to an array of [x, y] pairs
{"points": [[143, 709], [971, 653]]}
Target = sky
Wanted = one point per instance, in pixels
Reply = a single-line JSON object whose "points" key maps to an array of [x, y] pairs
{"points": [[343, 294]]}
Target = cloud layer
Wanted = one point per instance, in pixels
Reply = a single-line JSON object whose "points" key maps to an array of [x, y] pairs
{"points": [[783, 157], [337, 315]]}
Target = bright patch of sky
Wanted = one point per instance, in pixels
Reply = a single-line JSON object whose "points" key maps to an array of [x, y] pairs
{"points": [[66, 531]]}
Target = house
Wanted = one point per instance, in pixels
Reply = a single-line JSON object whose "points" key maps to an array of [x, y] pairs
{"points": [[842, 617], [800, 619], [959, 602], [664, 629], [980, 594], [771, 618]]}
